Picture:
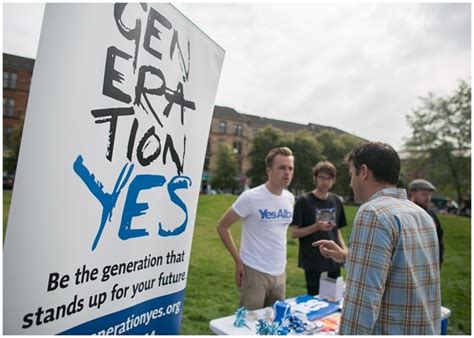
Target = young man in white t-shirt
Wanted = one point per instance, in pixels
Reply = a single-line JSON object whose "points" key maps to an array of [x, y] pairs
{"points": [[266, 212]]}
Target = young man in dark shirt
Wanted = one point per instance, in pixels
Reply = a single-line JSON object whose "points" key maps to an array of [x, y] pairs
{"points": [[318, 215]]}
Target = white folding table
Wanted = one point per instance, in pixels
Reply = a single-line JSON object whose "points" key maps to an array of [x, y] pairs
{"points": [[225, 325]]}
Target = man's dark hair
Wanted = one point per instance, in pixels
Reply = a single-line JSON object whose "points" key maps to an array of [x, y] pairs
{"points": [[325, 167], [380, 158]]}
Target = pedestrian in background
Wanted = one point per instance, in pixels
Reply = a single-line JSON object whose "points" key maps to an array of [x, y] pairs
{"points": [[420, 192]]}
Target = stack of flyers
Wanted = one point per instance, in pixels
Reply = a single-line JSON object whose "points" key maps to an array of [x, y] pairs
{"points": [[314, 307], [329, 324]]}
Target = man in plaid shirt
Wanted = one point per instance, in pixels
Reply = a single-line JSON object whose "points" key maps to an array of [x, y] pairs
{"points": [[393, 283]]}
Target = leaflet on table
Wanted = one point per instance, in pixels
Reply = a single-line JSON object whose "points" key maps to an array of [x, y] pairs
{"points": [[314, 307], [329, 324]]}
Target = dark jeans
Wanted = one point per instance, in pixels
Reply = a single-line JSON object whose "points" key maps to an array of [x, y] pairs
{"points": [[312, 280]]}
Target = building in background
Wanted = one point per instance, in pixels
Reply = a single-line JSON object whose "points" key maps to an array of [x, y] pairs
{"points": [[227, 126], [237, 130], [17, 72]]}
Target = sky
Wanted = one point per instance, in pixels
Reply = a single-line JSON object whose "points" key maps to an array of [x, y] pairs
{"points": [[360, 68]]}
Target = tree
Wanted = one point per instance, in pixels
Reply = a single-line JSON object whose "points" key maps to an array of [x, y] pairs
{"points": [[10, 161], [224, 170], [307, 152], [265, 139], [335, 148], [441, 139]]}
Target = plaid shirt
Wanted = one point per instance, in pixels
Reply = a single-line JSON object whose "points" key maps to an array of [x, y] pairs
{"points": [[393, 283]]}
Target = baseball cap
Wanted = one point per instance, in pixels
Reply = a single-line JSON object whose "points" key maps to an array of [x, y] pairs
{"points": [[420, 183]]}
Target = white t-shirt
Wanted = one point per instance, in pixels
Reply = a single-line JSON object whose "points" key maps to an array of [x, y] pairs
{"points": [[265, 222]]}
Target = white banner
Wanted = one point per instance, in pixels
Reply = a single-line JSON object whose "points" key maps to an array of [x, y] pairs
{"points": [[104, 204]]}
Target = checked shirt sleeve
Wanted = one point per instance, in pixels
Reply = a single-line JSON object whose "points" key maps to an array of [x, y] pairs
{"points": [[368, 263]]}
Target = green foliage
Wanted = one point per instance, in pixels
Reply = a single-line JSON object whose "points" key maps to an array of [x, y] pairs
{"points": [[440, 144], [10, 158], [335, 148], [307, 152], [456, 272], [7, 197], [211, 292], [265, 139], [16, 137], [9, 164], [224, 169]]}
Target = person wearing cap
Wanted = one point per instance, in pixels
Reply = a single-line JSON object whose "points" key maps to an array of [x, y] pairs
{"points": [[420, 192]]}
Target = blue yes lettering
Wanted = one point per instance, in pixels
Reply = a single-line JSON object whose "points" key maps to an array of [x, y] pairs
{"points": [[276, 214]]}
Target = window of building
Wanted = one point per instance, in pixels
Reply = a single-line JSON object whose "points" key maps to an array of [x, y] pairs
{"points": [[238, 129], [222, 127], [6, 79], [238, 148], [9, 80], [13, 78], [9, 107]]}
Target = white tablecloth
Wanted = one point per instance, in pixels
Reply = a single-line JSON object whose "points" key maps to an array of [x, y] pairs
{"points": [[225, 325]]}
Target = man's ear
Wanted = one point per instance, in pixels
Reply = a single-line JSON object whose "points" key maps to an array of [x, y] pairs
{"points": [[364, 171]]}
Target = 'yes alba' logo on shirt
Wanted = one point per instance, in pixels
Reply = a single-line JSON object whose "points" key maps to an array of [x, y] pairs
{"points": [[266, 214]]}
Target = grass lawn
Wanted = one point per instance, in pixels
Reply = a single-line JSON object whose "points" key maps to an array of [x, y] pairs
{"points": [[7, 197], [211, 290]]}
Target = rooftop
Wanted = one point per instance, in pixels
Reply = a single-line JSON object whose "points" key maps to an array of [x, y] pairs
{"points": [[261, 122], [18, 62]]}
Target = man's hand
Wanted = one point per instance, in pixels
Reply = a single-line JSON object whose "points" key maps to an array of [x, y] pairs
{"points": [[239, 273], [330, 249], [297, 232], [324, 226]]}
